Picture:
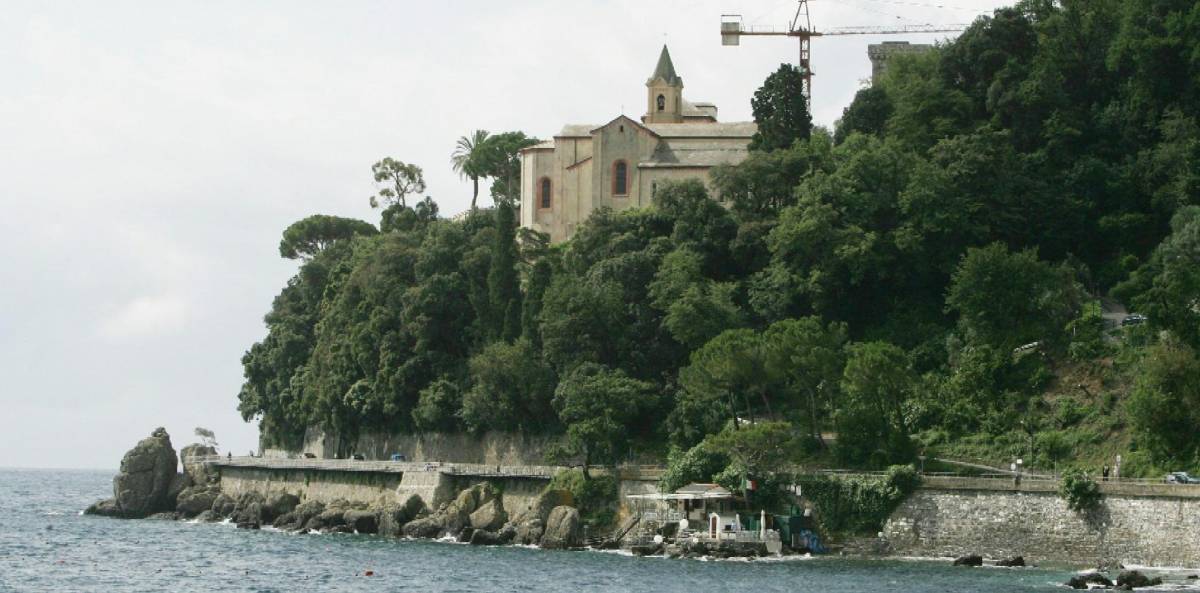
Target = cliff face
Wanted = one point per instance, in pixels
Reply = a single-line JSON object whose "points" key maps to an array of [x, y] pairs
{"points": [[491, 448]]}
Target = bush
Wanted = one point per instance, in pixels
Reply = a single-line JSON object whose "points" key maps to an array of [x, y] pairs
{"points": [[595, 498], [1080, 491], [698, 464], [858, 505]]}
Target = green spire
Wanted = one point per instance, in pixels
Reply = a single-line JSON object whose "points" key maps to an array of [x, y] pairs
{"points": [[665, 69]]}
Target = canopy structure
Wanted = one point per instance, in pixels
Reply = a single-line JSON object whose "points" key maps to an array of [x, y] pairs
{"points": [[690, 492]]}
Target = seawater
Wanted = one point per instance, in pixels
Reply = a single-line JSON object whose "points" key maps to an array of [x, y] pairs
{"points": [[47, 545]]}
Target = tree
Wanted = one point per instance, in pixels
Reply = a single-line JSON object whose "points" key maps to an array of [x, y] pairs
{"points": [[765, 183], [467, 159], [1006, 299], [1167, 287], [500, 159], [871, 427], [811, 355], [307, 237], [867, 114], [511, 389], [780, 110], [504, 288], [598, 405], [206, 436], [438, 406], [760, 451], [1164, 407], [399, 179]]}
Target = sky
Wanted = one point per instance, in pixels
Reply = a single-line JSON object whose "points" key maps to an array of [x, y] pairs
{"points": [[151, 153]]}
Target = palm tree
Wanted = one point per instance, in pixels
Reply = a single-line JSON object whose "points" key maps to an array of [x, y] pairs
{"points": [[467, 157]]}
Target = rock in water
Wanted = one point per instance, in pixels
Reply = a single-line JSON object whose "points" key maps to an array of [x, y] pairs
{"points": [[147, 480], [1081, 581], [362, 521], [1014, 561], [195, 500], [1134, 579], [562, 529], [280, 503], [490, 516], [530, 522], [969, 560]]}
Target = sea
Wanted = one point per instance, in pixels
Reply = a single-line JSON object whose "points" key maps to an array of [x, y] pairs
{"points": [[46, 544]]}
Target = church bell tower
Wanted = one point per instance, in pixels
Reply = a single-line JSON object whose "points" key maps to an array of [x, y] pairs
{"points": [[664, 94]]}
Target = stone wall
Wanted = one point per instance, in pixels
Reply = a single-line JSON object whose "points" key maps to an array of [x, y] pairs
{"points": [[492, 448], [321, 485], [1143, 525]]}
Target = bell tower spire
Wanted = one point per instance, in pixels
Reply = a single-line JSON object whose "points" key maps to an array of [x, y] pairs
{"points": [[664, 96]]}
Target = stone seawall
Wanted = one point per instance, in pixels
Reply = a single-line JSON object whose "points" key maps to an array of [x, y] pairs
{"points": [[491, 448], [312, 484], [1135, 524]]}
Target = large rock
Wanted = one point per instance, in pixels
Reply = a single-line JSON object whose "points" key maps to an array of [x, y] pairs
{"points": [[144, 484], [1011, 562], [196, 470], [427, 527], [482, 537], [280, 503], [562, 529], [1083, 581], [195, 500], [969, 560], [362, 521], [490, 516], [530, 522], [224, 505], [393, 517], [1134, 579], [105, 508]]}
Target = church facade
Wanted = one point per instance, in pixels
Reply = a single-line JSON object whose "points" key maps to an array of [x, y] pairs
{"points": [[622, 163]]}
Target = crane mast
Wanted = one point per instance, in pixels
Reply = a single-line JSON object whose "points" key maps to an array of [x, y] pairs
{"points": [[733, 29]]}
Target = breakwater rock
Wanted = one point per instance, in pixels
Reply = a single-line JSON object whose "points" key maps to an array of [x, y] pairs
{"points": [[147, 483]]}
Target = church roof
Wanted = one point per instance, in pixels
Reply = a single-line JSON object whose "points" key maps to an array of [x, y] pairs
{"points": [[666, 69], [739, 129], [666, 156]]}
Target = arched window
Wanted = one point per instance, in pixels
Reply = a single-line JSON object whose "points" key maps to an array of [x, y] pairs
{"points": [[544, 195], [620, 182], [662, 102]]}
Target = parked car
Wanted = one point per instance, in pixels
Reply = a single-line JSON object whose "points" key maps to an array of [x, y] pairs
{"points": [[1182, 478], [1135, 319], [358, 457]]}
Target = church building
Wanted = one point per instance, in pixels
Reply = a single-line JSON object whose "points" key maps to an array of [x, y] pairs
{"points": [[620, 164]]}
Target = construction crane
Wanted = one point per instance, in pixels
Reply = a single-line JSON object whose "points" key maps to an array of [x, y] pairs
{"points": [[732, 29]]}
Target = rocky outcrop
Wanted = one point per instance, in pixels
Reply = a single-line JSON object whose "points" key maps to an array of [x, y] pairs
{"points": [[969, 560], [196, 499], [563, 529], [529, 523], [147, 480], [393, 517], [193, 468], [1084, 581], [490, 516], [279, 504], [1133, 579], [361, 521], [1011, 562]]}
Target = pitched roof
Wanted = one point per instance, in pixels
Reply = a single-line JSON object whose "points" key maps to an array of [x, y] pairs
{"points": [[666, 69], [667, 157], [738, 129]]}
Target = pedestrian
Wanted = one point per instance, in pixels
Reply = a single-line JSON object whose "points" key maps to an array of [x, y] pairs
{"points": [[1104, 473]]}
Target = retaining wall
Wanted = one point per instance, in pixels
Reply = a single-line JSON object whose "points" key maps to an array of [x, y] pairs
{"points": [[1136, 524]]}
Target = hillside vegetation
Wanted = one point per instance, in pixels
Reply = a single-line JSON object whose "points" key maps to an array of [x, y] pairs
{"points": [[878, 283]]}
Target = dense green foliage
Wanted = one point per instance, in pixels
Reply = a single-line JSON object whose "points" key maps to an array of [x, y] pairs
{"points": [[1080, 491], [858, 504], [927, 276], [595, 496]]}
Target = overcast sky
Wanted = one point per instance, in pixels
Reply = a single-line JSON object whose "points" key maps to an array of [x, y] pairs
{"points": [[152, 152]]}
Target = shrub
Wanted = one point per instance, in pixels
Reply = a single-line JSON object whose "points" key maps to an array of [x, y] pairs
{"points": [[857, 505], [596, 498], [698, 464], [1080, 491]]}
